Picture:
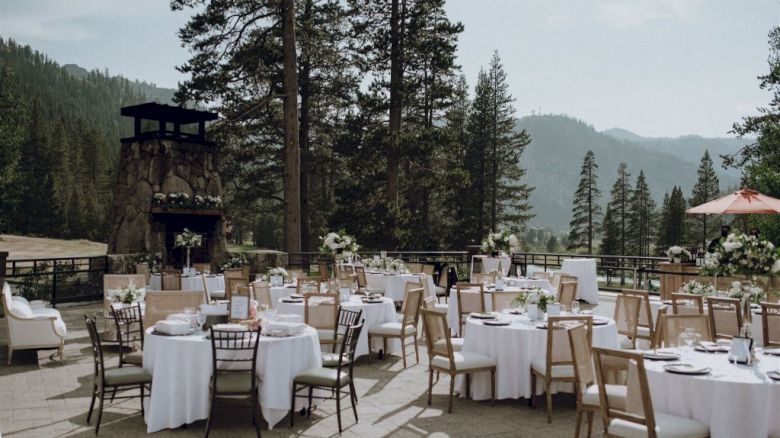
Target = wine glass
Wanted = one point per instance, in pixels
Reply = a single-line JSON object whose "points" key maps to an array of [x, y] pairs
{"points": [[575, 307], [201, 319], [190, 312]]}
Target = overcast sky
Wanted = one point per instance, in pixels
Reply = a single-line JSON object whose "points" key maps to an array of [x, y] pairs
{"points": [[654, 67]]}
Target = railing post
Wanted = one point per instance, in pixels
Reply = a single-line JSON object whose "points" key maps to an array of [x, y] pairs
{"points": [[54, 285], [3, 258]]}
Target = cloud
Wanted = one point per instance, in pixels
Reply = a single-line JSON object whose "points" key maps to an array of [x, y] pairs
{"points": [[72, 20], [630, 13]]}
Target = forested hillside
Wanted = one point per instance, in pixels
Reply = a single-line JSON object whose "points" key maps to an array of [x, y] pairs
{"points": [[58, 138]]}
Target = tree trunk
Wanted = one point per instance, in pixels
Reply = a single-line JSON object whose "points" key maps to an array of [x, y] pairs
{"points": [[303, 136], [292, 152], [396, 97]]}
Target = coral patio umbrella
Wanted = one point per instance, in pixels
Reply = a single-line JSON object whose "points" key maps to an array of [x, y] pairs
{"points": [[743, 201]]}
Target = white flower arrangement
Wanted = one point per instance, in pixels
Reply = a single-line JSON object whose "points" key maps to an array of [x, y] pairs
{"points": [[182, 200], [277, 271], [502, 241], [742, 254], [746, 292], [338, 243], [236, 261], [678, 252], [536, 296], [387, 263], [127, 295], [697, 288], [188, 239]]}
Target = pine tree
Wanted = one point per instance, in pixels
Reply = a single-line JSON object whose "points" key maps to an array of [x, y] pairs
{"points": [[12, 115], [586, 211], [641, 218], [619, 204], [552, 244], [610, 234], [672, 220], [705, 189]]}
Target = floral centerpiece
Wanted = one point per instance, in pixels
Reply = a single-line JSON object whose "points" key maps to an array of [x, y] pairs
{"points": [[338, 244], [127, 295], [697, 288], [746, 292], [235, 261], [150, 259], [500, 242], [742, 254], [677, 254], [188, 240], [536, 296], [277, 275]]}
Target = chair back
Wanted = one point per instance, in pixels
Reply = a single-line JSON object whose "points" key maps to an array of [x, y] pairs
{"points": [[414, 267], [687, 304], [580, 342], [307, 285], [502, 300], [347, 348], [670, 327], [627, 315], [234, 352], [233, 273], [262, 293], [423, 280], [97, 349], [360, 271], [413, 301], [160, 304], [436, 329], [429, 303], [542, 275], [483, 278], [770, 318], [471, 298], [427, 269], [560, 277], [244, 290], [443, 280], [143, 269], [321, 310], [170, 281], [639, 406], [725, 317], [346, 319], [129, 327], [170, 270], [409, 286], [322, 267], [232, 284], [296, 273], [558, 345], [567, 293], [202, 267], [206, 291], [120, 281], [645, 310]]}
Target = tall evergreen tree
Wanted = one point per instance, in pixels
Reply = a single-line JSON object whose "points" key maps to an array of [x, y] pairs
{"points": [[705, 189], [12, 114], [610, 234], [641, 218], [586, 213], [619, 204], [671, 230]]}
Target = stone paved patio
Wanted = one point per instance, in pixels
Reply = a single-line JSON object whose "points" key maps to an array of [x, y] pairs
{"points": [[41, 398]]}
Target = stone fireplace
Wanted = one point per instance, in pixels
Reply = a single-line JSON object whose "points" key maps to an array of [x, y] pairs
{"points": [[167, 180]]}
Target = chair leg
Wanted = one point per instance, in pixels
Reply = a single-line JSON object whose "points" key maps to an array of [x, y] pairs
{"points": [[590, 423], [384, 349], [533, 390], [338, 408], [430, 385], [311, 393], [370, 348], [416, 351], [211, 413], [113, 394], [577, 424], [292, 405], [452, 391], [141, 387], [493, 385], [62, 351], [403, 350], [10, 354], [100, 410], [255, 413], [92, 403], [547, 385], [468, 386], [353, 397]]}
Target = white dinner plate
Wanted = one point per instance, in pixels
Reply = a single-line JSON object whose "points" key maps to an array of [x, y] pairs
{"points": [[686, 368], [661, 355]]}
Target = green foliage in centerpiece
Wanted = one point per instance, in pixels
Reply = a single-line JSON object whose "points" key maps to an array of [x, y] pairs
{"points": [[183, 200], [338, 243], [742, 254], [536, 296], [502, 241], [235, 261]]}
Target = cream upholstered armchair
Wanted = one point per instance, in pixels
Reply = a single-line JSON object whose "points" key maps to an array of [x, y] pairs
{"points": [[32, 326]]}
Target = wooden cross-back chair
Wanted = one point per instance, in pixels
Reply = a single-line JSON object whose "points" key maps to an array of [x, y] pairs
{"points": [[645, 326], [471, 298], [687, 304], [725, 316], [770, 318]]}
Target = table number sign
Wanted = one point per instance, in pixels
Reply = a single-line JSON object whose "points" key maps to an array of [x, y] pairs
{"points": [[740, 350], [239, 307]]}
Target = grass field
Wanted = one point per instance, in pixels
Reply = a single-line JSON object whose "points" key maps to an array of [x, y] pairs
{"points": [[21, 247]]}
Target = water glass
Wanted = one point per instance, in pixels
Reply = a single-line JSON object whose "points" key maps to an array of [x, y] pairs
{"points": [[575, 307]]}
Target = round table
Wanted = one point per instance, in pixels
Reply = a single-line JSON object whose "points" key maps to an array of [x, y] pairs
{"points": [[279, 292], [374, 314], [181, 367], [587, 283], [191, 282], [394, 285], [734, 400], [453, 318], [514, 347]]}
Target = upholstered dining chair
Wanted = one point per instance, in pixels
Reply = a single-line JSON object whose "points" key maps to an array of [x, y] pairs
{"points": [[130, 329], [234, 370], [112, 378], [687, 304], [626, 316], [770, 319], [211, 294], [321, 311], [232, 284], [428, 269], [670, 327], [586, 389], [471, 298], [170, 281], [557, 365], [443, 357], [410, 286], [502, 300], [442, 283], [262, 292], [332, 378], [414, 267], [143, 269], [645, 327], [567, 293], [403, 330], [638, 418], [160, 304], [559, 277], [244, 290], [725, 317]]}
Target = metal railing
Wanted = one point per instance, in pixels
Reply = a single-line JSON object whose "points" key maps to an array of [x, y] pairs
{"points": [[57, 280]]}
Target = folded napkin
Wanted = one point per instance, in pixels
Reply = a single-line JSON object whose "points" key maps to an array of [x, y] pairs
{"points": [[179, 317], [172, 327], [283, 328], [229, 327]]}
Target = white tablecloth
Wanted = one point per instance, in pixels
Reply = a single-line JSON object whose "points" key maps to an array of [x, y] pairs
{"points": [[587, 284], [735, 401], [514, 347], [529, 283], [395, 284], [374, 314], [181, 367], [452, 305], [491, 263], [216, 282], [756, 327], [279, 292]]}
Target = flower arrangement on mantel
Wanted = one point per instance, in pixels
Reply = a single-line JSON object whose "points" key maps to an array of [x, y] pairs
{"points": [[183, 200], [236, 261], [742, 254], [503, 241], [338, 243], [678, 253]]}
